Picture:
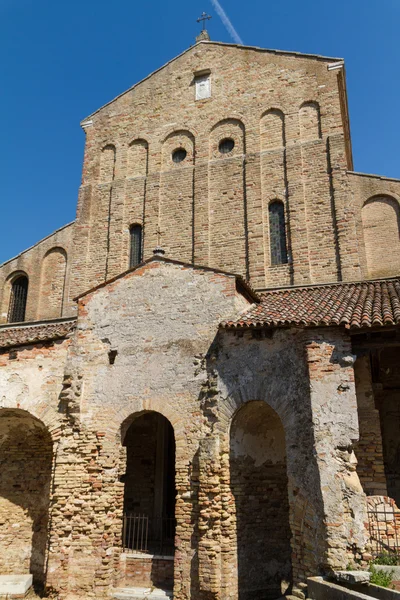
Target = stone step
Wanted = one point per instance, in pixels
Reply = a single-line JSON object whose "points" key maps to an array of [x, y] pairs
{"points": [[141, 593]]}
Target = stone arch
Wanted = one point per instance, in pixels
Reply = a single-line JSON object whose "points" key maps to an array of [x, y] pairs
{"points": [[229, 128], [26, 457], [272, 129], [180, 139], [107, 163], [310, 121], [52, 284], [137, 159], [306, 505], [121, 414], [259, 485], [380, 217]]}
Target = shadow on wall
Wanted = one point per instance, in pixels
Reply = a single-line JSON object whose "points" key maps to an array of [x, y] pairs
{"points": [[268, 434], [260, 488], [25, 467]]}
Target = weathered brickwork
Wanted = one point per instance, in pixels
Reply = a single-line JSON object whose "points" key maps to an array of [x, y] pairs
{"points": [[246, 431], [287, 118], [290, 140], [377, 204], [47, 267], [168, 359]]}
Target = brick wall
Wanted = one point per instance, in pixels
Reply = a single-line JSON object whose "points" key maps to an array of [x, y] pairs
{"points": [[26, 470], [171, 359], [284, 114], [47, 267], [258, 479], [377, 210]]}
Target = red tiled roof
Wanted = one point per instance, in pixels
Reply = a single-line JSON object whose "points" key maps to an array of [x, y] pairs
{"points": [[355, 305], [21, 335]]}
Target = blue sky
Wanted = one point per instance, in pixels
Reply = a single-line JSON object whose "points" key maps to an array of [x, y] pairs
{"points": [[63, 60]]}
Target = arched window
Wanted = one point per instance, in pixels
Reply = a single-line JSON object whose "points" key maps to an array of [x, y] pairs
{"points": [[135, 256], [277, 233], [19, 294]]}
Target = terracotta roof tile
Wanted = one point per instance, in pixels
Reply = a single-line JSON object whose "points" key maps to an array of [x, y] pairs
{"points": [[356, 305], [18, 335]]}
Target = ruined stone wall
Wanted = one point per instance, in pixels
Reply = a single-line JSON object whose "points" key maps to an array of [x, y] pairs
{"points": [[47, 267], [30, 426], [26, 471], [149, 341], [377, 213], [317, 407], [286, 116], [259, 484]]}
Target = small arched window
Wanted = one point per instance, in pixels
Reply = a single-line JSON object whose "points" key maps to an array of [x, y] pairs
{"points": [[135, 255], [19, 295], [277, 233]]}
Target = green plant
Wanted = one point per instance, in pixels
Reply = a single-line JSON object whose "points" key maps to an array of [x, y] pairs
{"points": [[386, 558], [382, 578]]}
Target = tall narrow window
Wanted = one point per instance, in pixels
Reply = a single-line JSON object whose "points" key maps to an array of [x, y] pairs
{"points": [[135, 256], [19, 294], [277, 233]]}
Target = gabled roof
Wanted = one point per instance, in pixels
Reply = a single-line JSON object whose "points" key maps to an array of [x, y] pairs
{"points": [[353, 305], [242, 285], [223, 44]]}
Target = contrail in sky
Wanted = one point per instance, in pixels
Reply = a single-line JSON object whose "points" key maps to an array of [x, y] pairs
{"points": [[226, 21]]}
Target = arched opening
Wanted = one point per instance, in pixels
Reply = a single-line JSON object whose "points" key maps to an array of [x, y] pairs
{"points": [[18, 299], [135, 251], [149, 495], [26, 452], [277, 233], [260, 488]]}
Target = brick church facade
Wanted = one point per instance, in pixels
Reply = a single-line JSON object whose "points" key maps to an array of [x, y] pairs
{"points": [[199, 382]]}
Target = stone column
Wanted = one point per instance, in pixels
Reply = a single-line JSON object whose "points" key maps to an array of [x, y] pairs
{"points": [[334, 417]]}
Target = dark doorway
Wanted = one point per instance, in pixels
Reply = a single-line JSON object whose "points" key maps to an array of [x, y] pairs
{"points": [[26, 452], [149, 495], [260, 488]]}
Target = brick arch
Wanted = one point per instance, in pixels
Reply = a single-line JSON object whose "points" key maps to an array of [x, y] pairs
{"points": [[137, 160], [178, 138], [107, 163], [52, 283], [26, 462], [380, 216], [8, 285], [230, 127], [193, 132], [310, 121], [305, 517], [223, 117], [272, 129], [120, 415], [42, 412]]}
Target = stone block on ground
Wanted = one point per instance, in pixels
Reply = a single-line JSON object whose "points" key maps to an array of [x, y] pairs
{"points": [[15, 586], [352, 577]]}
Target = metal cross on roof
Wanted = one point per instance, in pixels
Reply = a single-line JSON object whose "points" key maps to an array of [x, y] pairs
{"points": [[204, 17]]}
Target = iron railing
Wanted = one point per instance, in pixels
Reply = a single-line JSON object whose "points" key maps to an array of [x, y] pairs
{"points": [[384, 530], [152, 535]]}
